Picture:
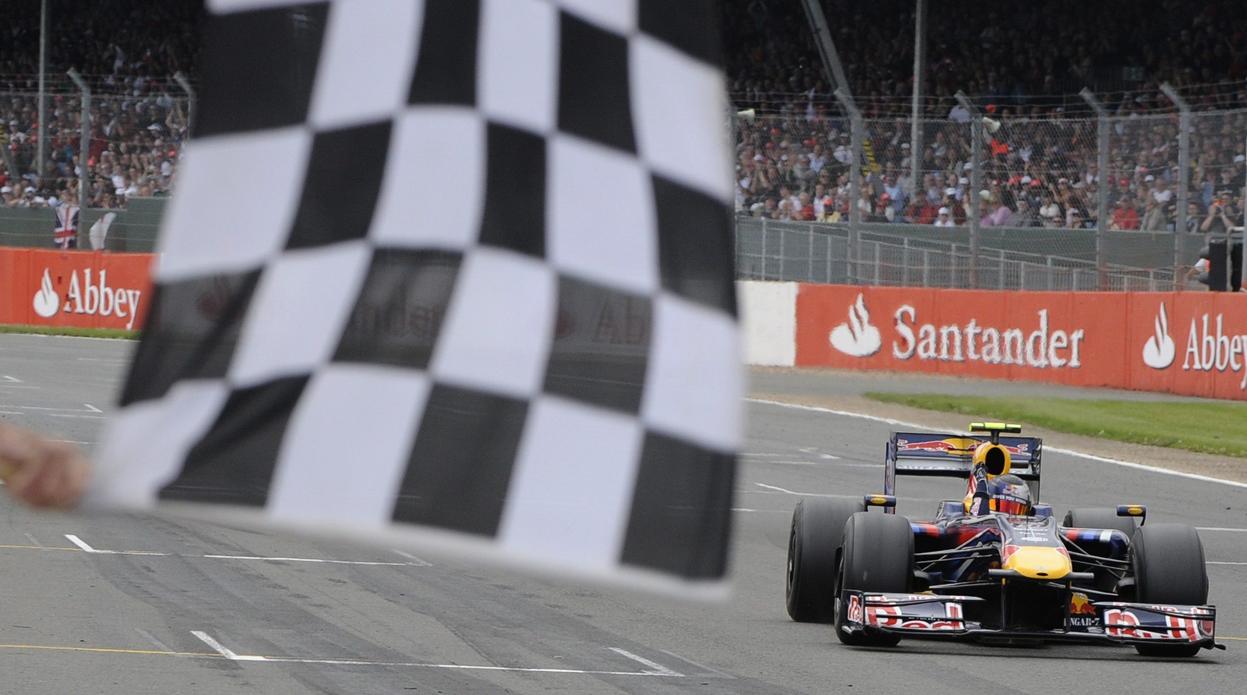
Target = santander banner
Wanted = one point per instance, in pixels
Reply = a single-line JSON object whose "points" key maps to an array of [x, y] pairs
{"points": [[1187, 342], [87, 289]]}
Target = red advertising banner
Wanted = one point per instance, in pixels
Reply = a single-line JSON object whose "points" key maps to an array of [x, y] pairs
{"points": [[87, 289], [1182, 342]]}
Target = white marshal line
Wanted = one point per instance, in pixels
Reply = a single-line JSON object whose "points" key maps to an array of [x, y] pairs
{"points": [[786, 491], [415, 561], [1223, 562], [655, 669], [83, 544], [307, 559], [1221, 528], [222, 649], [1059, 450]]}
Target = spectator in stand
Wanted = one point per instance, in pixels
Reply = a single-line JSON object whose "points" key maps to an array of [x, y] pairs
{"points": [[1154, 218], [1125, 217], [944, 218], [996, 213], [1024, 216], [1218, 219]]}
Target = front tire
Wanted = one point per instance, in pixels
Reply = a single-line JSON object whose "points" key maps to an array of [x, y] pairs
{"points": [[1091, 517], [878, 555], [813, 544], [1168, 561]]}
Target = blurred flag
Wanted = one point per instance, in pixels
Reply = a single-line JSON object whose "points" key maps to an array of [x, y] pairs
{"points": [[453, 272]]}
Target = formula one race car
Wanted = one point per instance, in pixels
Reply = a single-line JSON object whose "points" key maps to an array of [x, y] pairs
{"points": [[1006, 572]]}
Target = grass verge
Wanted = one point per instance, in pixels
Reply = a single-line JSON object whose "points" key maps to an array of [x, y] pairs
{"points": [[71, 331], [1208, 428]]}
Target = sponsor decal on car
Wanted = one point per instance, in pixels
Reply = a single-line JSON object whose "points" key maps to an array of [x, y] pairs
{"points": [[1128, 624], [854, 613]]}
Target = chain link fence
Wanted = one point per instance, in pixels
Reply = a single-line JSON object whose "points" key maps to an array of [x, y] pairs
{"points": [[997, 201]]}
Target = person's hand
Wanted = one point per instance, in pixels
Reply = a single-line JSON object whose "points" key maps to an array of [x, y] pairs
{"points": [[42, 472]]}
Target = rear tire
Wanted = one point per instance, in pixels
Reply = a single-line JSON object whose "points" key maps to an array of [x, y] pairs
{"points": [[1101, 519], [878, 555], [1168, 561], [813, 543]]}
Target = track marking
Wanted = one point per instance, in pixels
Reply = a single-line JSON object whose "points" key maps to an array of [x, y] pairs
{"points": [[222, 649], [87, 548], [32, 540], [656, 669], [418, 562], [786, 491], [92, 408], [1221, 528], [83, 544], [108, 650], [152, 638], [1059, 450], [305, 559], [709, 672], [10, 379], [1223, 562]]}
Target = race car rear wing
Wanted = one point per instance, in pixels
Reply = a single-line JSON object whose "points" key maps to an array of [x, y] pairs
{"points": [[949, 455]]}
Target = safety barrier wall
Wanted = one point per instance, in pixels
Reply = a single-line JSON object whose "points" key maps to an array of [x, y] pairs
{"points": [[1176, 342], [86, 289]]}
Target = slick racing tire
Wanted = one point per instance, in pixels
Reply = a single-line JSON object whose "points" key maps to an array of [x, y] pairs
{"points": [[1101, 519], [878, 555], [1168, 562], [813, 541]]}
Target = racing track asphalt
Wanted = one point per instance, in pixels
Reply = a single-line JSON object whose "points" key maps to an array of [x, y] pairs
{"points": [[74, 621]]}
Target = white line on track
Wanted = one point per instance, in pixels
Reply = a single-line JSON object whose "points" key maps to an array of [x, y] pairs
{"points": [[307, 559], [152, 638], [82, 544], [1223, 562], [32, 540], [709, 671], [226, 652], [655, 669], [418, 562], [87, 548], [1221, 528], [786, 491], [222, 649], [10, 379], [1059, 450]]}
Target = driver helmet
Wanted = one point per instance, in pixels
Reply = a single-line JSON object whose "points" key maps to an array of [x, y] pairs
{"points": [[1010, 495]]}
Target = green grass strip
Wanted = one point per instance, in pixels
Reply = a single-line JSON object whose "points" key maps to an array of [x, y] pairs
{"points": [[117, 333], [1209, 428]]}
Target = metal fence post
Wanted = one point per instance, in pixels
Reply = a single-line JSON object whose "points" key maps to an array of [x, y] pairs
{"points": [[84, 149], [764, 254], [1101, 225], [190, 100], [976, 178], [855, 174], [1184, 174], [809, 275]]}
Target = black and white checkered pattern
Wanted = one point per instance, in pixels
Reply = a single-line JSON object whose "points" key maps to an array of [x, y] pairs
{"points": [[461, 266]]}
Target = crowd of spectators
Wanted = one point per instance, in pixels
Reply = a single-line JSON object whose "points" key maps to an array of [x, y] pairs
{"points": [[1039, 164], [127, 53]]}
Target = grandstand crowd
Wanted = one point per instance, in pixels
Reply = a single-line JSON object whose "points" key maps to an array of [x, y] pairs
{"points": [[126, 52], [1023, 62], [1025, 66]]}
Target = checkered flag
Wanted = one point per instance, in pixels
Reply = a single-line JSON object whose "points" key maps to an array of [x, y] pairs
{"points": [[452, 271]]}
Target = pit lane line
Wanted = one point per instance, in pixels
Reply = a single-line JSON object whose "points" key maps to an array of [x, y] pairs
{"points": [[220, 652], [84, 547], [654, 668], [1059, 450]]}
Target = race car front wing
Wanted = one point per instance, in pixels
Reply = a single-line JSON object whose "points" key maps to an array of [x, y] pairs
{"points": [[936, 616]]}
